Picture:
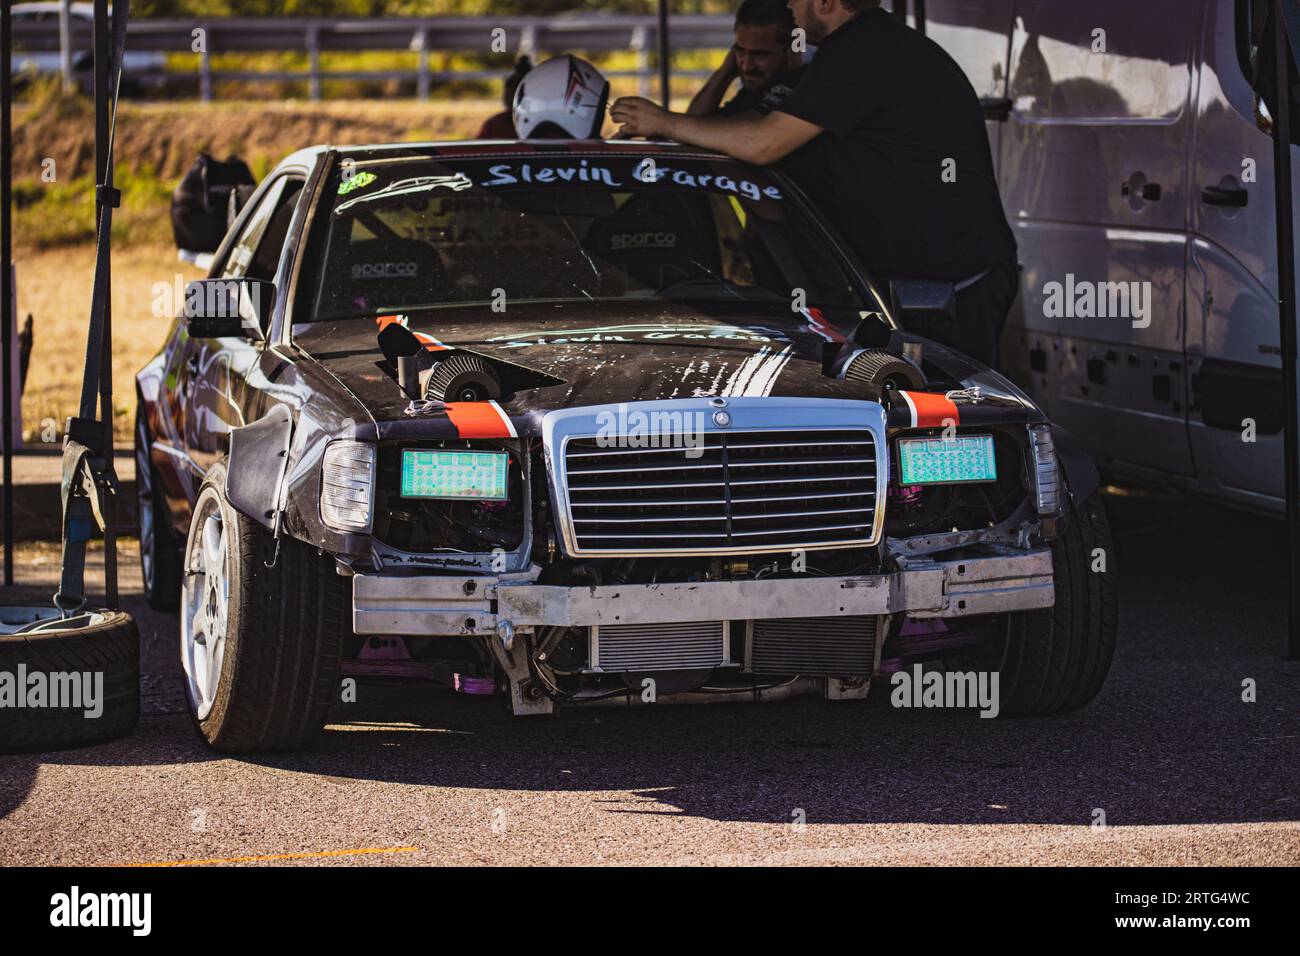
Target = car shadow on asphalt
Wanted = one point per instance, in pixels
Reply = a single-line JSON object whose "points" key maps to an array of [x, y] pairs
{"points": [[1169, 740]]}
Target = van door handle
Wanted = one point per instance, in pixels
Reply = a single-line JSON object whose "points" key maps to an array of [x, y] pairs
{"points": [[1151, 192], [1223, 196], [996, 108]]}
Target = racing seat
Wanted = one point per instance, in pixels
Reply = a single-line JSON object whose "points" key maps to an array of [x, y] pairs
{"points": [[391, 272], [654, 241]]}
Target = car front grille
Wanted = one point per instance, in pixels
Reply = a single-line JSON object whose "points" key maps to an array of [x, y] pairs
{"points": [[739, 490]]}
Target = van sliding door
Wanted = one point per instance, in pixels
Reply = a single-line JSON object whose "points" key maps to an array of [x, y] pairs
{"points": [[1094, 178]]}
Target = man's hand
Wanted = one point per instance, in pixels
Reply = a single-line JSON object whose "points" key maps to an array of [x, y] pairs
{"points": [[639, 117], [761, 140], [729, 68], [709, 97]]}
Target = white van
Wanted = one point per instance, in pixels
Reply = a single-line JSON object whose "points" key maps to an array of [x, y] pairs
{"points": [[1130, 148]]}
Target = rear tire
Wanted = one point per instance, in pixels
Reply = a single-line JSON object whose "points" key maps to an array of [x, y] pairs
{"points": [[261, 646], [1056, 660]]}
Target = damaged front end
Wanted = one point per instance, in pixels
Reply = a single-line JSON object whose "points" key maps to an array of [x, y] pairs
{"points": [[706, 549]]}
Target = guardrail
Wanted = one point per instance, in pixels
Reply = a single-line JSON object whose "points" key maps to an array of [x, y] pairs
{"points": [[584, 33]]}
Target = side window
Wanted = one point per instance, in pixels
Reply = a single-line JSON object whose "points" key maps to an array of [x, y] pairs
{"points": [[257, 251]]}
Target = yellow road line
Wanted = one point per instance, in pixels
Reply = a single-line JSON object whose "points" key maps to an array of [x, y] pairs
{"points": [[284, 856]]}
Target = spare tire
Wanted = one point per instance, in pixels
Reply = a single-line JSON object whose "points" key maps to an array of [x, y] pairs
{"points": [[878, 368], [66, 682]]}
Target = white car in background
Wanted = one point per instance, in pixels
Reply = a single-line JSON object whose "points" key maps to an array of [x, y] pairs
{"points": [[141, 70]]}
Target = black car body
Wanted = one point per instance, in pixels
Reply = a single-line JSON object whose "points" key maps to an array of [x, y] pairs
{"points": [[688, 400]]}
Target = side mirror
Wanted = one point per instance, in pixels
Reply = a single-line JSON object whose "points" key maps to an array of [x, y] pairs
{"points": [[917, 297], [924, 307], [224, 308]]}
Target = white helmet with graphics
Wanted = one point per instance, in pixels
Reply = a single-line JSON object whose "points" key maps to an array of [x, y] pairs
{"points": [[563, 98]]}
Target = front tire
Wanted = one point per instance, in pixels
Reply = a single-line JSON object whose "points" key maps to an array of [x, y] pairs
{"points": [[261, 646], [1056, 660]]}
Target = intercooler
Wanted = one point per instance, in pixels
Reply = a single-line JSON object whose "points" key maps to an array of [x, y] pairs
{"points": [[814, 646], [659, 647], [808, 646]]}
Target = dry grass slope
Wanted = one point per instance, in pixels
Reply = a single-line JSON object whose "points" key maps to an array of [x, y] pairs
{"points": [[54, 221]]}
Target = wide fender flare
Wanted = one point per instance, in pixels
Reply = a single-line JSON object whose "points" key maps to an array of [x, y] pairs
{"points": [[258, 461], [1081, 475]]}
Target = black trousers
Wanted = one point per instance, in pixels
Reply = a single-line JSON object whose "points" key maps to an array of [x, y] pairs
{"points": [[982, 312]]}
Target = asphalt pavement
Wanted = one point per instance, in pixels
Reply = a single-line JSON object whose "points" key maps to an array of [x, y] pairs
{"points": [[1173, 762]]}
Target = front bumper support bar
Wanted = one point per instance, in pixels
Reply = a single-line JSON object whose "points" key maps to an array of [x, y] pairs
{"points": [[1005, 580]]}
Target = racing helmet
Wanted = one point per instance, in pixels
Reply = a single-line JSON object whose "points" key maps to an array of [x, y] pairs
{"points": [[563, 98]]}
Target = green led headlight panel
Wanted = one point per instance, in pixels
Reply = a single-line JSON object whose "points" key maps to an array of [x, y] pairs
{"points": [[934, 461], [480, 475]]}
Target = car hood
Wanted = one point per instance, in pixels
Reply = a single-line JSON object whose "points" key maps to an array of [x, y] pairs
{"points": [[601, 355]]}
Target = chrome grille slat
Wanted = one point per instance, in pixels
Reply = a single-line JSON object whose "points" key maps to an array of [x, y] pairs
{"points": [[791, 473], [581, 472], [705, 501], [733, 534], [734, 517], [718, 484]]}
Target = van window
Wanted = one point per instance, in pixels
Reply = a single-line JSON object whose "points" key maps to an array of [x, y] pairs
{"points": [[1251, 15], [1066, 67]]}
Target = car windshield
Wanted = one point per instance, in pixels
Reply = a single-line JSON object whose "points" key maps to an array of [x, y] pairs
{"points": [[422, 233]]}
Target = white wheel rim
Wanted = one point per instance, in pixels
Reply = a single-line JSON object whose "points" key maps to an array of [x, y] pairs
{"points": [[205, 605], [144, 504]]}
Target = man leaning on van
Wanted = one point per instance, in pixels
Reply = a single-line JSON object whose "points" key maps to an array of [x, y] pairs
{"points": [[908, 170]]}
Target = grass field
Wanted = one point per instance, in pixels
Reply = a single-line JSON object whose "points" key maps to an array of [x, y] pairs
{"points": [[54, 287]]}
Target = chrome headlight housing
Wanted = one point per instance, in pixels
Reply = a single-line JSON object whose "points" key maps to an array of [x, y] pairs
{"points": [[347, 486]]}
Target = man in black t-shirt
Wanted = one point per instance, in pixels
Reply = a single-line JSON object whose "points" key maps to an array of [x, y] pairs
{"points": [[909, 179], [762, 57]]}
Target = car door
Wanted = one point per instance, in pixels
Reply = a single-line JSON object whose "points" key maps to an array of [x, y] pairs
{"points": [[216, 370], [1233, 347], [1093, 176]]}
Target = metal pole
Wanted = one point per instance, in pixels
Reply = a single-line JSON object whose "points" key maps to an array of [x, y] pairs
{"points": [[1287, 318], [313, 61], [664, 92], [6, 281], [205, 74], [105, 76], [65, 44]]}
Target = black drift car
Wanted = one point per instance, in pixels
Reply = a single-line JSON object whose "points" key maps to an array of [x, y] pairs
{"points": [[584, 423]]}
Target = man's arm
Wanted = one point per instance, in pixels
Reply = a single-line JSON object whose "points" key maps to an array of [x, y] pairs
{"points": [[761, 140], [709, 98]]}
